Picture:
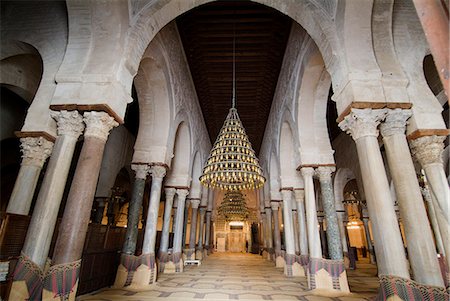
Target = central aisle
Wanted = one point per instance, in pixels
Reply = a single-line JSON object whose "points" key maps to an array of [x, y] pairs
{"points": [[223, 276]]}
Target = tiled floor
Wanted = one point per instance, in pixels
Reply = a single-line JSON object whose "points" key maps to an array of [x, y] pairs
{"points": [[235, 276]]}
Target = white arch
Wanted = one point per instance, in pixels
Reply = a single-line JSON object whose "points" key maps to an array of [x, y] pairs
{"points": [[289, 176], [343, 175], [196, 188], [178, 174], [274, 177]]}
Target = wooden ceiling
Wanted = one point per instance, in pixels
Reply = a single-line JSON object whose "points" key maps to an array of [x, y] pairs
{"points": [[261, 35]]}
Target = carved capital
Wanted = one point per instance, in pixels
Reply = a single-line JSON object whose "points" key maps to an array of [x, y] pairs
{"points": [[170, 193], [69, 123], [195, 203], [182, 194], [324, 172], [428, 149], [158, 172], [362, 122], [141, 170], [307, 172], [35, 150], [287, 195], [274, 206], [299, 195], [98, 124], [395, 122]]}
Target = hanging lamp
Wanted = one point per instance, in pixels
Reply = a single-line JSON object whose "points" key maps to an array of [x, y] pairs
{"points": [[234, 207], [232, 163]]}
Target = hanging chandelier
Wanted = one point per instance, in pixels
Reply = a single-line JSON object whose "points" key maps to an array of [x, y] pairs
{"points": [[232, 163], [233, 207]]}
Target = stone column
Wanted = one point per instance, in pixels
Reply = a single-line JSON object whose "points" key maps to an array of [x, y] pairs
{"points": [[190, 253], [323, 235], [303, 236], [295, 227], [40, 231], [419, 239], [369, 240], [177, 262], [333, 235], [428, 151], [433, 220], [164, 245], [341, 224], [35, 150], [74, 225], [315, 250], [289, 239], [185, 221], [269, 230], [199, 251], [158, 173], [142, 171], [362, 125], [208, 229], [279, 260]]}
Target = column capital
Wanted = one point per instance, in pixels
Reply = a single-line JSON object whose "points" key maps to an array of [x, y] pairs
{"points": [[170, 192], [158, 171], [69, 123], [274, 205], [428, 149], [98, 124], [195, 203], [141, 170], [287, 194], [362, 122], [395, 122], [307, 171], [324, 172], [35, 150], [182, 193], [299, 195]]}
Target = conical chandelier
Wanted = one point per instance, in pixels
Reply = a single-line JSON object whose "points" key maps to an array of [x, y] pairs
{"points": [[233, 207], [232, 163]]}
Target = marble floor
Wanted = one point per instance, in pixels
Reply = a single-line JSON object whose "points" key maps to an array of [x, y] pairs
{"points": [[238, 276]]}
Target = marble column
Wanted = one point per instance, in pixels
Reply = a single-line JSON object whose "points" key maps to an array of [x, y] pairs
{"points": [[185, 221], [268, 210], [208, 229], [276, 228], [362, 125], [199, 252], [74, 224], [419, 238], [333, 235], [288, 225], [295, 227], [262, 235], [341, 224], [35, 151], [194, 214], [164, 245], [368, 239], [142, 171], [315, 250], [303, 236], [158, 173], [428, 151], [433, 220], [323, 235], [40, 231], [178, 231]]}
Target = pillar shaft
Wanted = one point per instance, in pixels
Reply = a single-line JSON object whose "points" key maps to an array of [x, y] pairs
{"points": [[419, 239], [74, 224], [276, 228], [208, 228], [42, 224], [129, 245], [170, 194], [289, 239], [333, 235], [35, 150], [433, 220], [269, 227], [303, 236], [200, 228], [193, 233], [368, 240], [185, 222], [362, 125], [179, 221], [315, 250], [158, 173]]}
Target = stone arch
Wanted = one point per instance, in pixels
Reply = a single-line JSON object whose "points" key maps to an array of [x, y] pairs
{"points": [[311, 106], [178, 174], [274, 177], [341, 178], [196, 171], [152, 87], [289, 176]]}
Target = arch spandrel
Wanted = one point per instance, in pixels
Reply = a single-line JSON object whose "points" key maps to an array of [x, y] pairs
{"points": [[178, 174]]}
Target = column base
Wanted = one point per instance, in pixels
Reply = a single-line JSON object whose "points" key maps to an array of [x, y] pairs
{"points": [[327, 275], [27, 280], [163, 258], [136, 272], [395, 288], [293, 266], [280, 262], [174, 264], [199, 254], [188, 254], [346, 260]]}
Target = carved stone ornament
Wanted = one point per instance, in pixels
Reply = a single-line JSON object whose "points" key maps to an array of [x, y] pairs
{"points": [[428, 149], [362, 122], [299, 195], [141, 170], [98, 124], [324, 172], [158, 172], [170, 193], [274, 206], [395, 122], [195, 203], [69, 123], [35, 150], [182, 194], [307, 172]]}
